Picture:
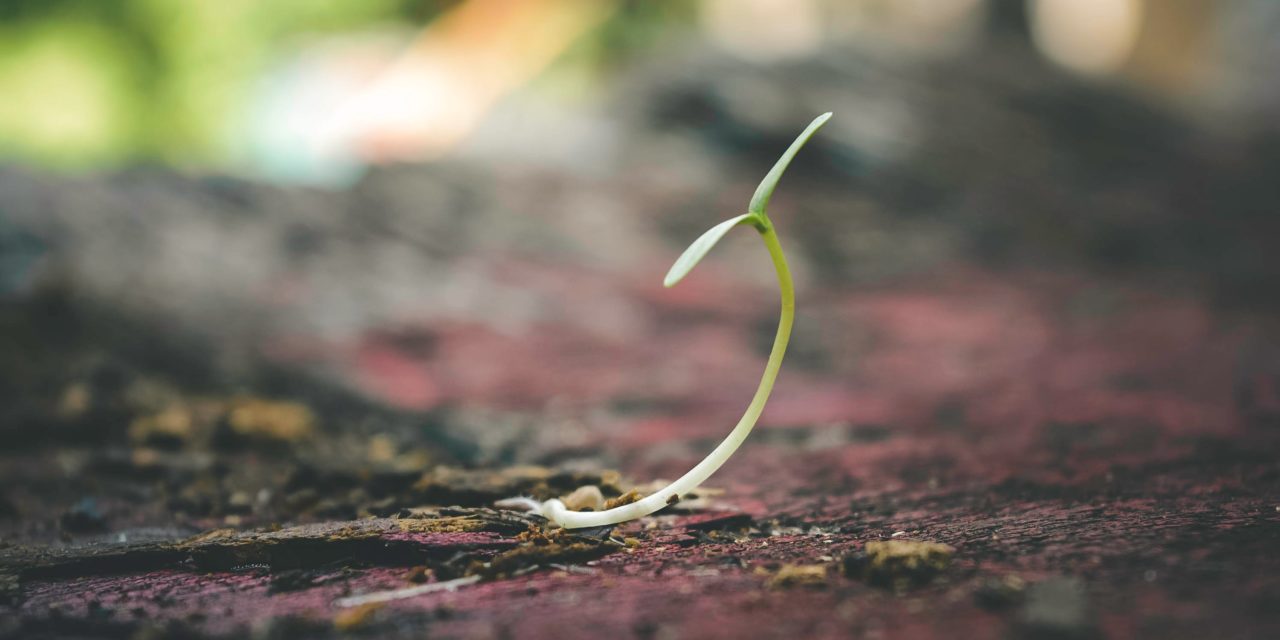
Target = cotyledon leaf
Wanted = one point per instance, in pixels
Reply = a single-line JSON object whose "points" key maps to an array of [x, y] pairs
{"points": [[693, 255], [765, 191]]}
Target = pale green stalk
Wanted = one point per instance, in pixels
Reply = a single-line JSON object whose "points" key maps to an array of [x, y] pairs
{"points": [[555, 510]]}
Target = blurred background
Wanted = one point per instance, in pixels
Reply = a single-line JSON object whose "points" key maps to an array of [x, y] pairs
{"points": [[390, 232], [309, 91]]}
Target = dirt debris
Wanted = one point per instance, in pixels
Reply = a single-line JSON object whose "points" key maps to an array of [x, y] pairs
{"points": [[798, 575], [169, 428], [325, 547], [585, 498], [356, 617], [541, 547], [446, 485], [446, 524], [257, 419], [418, 575], [898, 564], [623, 500]]}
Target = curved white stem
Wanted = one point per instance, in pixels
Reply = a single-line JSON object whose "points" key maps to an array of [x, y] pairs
{"points": [[555, 510]]}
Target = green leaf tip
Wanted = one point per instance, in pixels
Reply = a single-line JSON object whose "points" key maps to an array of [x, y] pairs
{"points": [[765, 191], [755, 213], [693, 255]]}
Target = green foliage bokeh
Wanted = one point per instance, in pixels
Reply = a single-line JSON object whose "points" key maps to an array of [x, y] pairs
{"points": [[104, 81], [87, 83]]}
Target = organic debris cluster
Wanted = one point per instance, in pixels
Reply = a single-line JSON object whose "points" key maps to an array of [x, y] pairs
{"points": [[899, 564]]}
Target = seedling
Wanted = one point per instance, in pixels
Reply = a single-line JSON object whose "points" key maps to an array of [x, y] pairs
{"points": [[556, 511]]}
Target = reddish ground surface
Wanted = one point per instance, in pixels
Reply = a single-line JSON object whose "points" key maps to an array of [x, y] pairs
{"points": [[1101, 460]]}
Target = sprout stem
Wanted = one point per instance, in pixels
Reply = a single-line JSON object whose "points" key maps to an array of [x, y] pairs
{"points": [[555, 511]]}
